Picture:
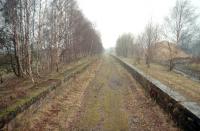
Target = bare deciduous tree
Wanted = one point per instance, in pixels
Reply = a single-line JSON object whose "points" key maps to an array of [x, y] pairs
{"points": [[151, 36], [139, 48], [180, 27], [46, 34]]}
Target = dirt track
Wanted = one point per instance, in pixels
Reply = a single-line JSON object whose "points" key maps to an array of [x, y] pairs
{"points": [[104, 97]]}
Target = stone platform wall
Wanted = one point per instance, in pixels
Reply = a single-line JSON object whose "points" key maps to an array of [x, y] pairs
{"points": [[184, 112]]}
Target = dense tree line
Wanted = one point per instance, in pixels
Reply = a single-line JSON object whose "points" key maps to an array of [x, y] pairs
{"points": [[39, 35], [124, 45]]}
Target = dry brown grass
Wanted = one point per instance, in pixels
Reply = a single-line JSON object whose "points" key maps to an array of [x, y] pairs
{"points": [[178, 82], [194, 66], [16, 91], [60, 107], [115, 102], [104, 97]]}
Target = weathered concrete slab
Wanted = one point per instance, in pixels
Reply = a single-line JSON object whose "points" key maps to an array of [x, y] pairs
{"points": [[193, 107], [184, 112]]}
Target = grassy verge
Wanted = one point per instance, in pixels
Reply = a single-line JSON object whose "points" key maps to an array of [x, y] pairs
{"points": [[178, 82], [31, 94], [194, 66]]}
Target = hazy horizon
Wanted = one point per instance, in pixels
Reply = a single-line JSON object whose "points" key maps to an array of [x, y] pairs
{"points": [[125, 16]]}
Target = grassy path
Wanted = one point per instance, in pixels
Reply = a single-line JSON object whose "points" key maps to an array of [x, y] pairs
{"points": [[102, 98], [115, 102]]}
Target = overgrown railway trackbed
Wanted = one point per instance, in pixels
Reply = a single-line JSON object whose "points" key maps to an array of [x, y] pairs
{"points": [[21, 104], [104, 97]]}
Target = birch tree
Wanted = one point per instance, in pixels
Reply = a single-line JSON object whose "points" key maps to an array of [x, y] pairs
{"points": [[180, 27]]}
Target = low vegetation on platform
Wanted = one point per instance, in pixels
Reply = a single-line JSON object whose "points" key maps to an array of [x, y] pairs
{"points": [[179, 82]]}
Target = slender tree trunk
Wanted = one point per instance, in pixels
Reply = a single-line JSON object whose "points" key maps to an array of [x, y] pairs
{"points": [[28, 47], [39, 41], [16, 53], [1, 78], [171, 61], [171, 65], [148, 58]]}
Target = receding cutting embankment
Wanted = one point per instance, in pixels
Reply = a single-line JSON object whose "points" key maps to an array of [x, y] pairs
{"points": [[36, 100], [184, 112]]}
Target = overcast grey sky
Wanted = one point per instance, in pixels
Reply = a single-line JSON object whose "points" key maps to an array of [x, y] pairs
{"points": [[114, 17]]}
